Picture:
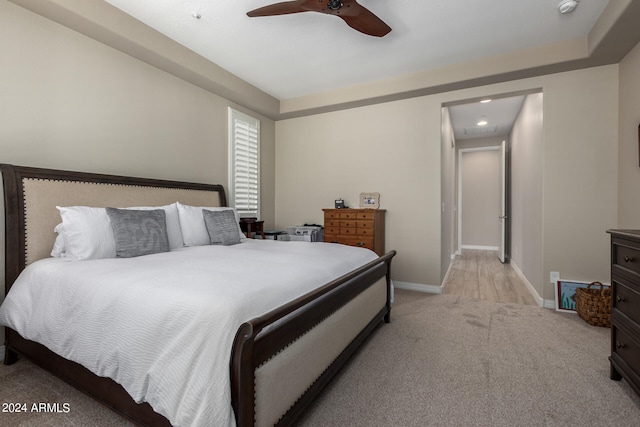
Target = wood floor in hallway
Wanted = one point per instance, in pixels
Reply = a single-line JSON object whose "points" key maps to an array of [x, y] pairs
{"points": [[479, 274]]}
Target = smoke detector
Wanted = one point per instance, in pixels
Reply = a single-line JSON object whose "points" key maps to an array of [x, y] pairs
{"points": [[567, 6]]}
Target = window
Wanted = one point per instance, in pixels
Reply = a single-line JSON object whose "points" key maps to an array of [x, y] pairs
{"points": [[244, 163]]}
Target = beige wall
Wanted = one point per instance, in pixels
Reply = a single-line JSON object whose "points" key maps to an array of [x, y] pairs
{"points": [[394, 148], [629, 120], [580, 173], [387, 148], [69, 102], [527, 166]]}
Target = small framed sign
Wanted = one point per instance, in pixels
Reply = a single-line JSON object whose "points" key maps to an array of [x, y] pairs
{"points": [[370, 200]]}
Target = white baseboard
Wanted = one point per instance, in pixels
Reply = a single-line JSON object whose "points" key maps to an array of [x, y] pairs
{"points": [[481, 248], [539, 300], [446, 276], [419, 287]]}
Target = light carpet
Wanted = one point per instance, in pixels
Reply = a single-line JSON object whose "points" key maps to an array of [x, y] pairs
{"points": [[442, 361], [449, 361]]}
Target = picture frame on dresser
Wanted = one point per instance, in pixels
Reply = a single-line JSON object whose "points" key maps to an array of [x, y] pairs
{"points": [[369, 200]]}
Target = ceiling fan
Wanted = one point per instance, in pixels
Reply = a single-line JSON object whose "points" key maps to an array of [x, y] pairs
{"points": [[355, 15]]}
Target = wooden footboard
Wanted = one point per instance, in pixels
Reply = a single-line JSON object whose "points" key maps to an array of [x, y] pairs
{"points": [[346, 310]]}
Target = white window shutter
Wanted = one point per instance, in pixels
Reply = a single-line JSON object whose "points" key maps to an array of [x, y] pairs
{"points": [[244, 163]]}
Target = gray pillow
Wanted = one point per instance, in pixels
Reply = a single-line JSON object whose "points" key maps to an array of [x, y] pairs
{"points": [[139, 232], [222, 227]]}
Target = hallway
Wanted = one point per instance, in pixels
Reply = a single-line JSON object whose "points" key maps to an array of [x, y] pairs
{"points": [[479, 274]]}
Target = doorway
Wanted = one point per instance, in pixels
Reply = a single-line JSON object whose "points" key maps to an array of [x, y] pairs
{"points": [[467, 124], [482, 128]]}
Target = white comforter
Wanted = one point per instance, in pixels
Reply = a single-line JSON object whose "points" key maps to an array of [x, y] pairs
{"points": [[163, 325]]}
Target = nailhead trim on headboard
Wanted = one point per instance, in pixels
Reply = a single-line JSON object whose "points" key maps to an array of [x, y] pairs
{"points": [[41, 196]]}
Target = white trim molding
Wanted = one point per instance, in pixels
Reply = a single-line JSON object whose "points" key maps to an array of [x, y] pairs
{"points": [[482, 248], [539, 300], [419, 287], [446, 276]]}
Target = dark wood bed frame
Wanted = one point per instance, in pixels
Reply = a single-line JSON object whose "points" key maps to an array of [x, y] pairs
{"points": [[253, 343]]}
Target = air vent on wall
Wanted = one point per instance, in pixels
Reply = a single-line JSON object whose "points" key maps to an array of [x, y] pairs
{"points": [[480, 130]]}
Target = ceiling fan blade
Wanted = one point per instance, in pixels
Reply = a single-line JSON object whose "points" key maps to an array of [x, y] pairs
{"points": [[362, 19], [281, 8], [354, 14]]}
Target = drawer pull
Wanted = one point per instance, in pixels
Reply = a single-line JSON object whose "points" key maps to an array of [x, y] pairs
{"points": [[627, 258], [620, 344], [360, 243], [620, 299]]}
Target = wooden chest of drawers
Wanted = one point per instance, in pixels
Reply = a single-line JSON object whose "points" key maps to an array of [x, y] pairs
{"points": [[355, 227], [625, 313]]}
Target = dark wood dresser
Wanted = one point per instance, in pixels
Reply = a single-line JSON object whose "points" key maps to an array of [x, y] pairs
{"points": [[625, 313], [355, 227]]}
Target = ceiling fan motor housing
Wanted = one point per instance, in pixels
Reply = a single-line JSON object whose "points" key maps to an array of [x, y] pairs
{"points": [[334, 4]]}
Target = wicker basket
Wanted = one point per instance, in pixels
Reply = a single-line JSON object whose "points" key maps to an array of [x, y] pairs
{"points": [[594, 305]]}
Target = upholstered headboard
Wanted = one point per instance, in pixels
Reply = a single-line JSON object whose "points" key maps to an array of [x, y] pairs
{"points": [[32, 194]]}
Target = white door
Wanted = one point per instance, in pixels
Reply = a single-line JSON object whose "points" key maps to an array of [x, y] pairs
{"points": [[503, 214]]}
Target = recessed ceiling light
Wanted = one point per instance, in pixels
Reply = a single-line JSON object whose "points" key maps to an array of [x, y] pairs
{"points": [[196, 15], [482, 123], [484, 101]]}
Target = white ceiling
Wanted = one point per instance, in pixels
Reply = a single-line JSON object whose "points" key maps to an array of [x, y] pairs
{"points": [[289, 56], [500, 114]]}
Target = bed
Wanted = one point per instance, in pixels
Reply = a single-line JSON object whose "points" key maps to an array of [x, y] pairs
{"points": [[282, 348]]}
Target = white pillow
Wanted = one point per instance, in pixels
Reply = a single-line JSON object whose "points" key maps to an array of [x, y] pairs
{"points": [[194, 230], [87, 232], [59, 250]]}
